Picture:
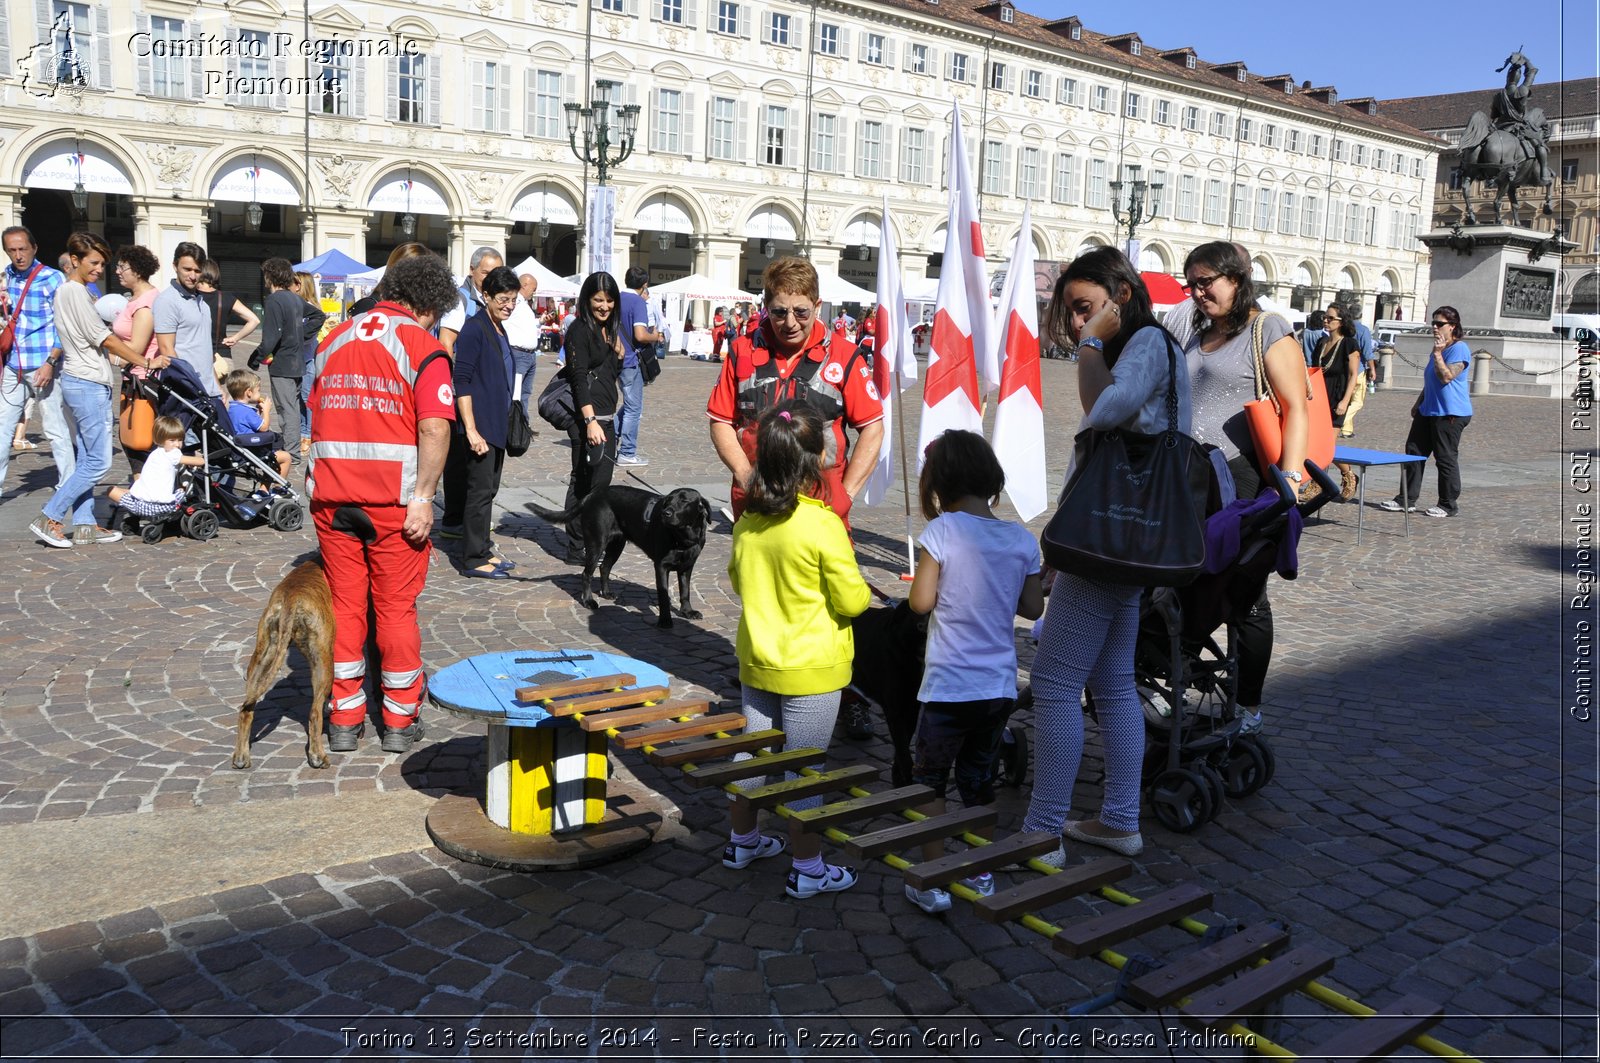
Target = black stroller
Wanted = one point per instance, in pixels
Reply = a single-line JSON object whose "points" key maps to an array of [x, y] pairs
{"points": [[1197, 752], [237, 486]]}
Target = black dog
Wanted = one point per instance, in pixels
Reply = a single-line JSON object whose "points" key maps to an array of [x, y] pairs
{"points": [[891, 641], [670, 529]]}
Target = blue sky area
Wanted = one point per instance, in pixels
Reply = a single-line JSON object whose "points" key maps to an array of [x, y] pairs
{"points": [[1382, 48]]}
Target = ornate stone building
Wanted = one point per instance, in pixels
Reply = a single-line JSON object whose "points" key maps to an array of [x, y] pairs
{"points": [[1573, 109], [765, 126]]}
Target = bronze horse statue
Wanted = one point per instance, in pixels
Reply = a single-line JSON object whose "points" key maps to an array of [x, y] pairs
{"points": [[1509, 151]]}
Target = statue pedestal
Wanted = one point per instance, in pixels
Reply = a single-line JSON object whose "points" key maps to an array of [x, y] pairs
{"points": [[1499, 276]]}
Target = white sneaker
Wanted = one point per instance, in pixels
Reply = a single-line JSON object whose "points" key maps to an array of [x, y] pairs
{"points": [[1249, 722], [833, 879], [982, 885], [933, 901], [1437, 511], [1395, 507], [738, 856], [633, 459]]}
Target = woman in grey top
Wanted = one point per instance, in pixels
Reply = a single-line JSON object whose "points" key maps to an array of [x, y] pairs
{"points": [[1101, 307], [87, 380], [1216, 336]]}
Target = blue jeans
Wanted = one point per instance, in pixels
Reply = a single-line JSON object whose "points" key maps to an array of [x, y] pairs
{"points": [[90, 404], [14, 396], [631, 384], [522, 364], [305, 398]]}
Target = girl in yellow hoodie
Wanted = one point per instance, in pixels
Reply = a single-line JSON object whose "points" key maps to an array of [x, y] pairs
{"points": [[796, 572]]}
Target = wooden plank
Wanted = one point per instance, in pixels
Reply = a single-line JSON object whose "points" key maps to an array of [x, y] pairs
{"points": [[859, 808], [981, 858], [1092, 935], [666, 710], [907, 835], [755, 767], [1211, 964], [713, 749], [810, 786], [1039, 893], [596, 702], [1246, 994], [546, 691], [1376, 1036], [705, 725]]}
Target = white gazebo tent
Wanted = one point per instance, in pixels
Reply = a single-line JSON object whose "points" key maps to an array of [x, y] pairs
{"points": [[551, 284], [698, 287]]}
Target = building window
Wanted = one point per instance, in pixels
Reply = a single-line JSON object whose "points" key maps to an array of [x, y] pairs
{"points": [[668, 124], [869, 151], [824, 142], [1380, 159], [1214, 214], [1100, 98], [1341, 149], [616, 7], [1028, 184], [777, 29], [1416, 167], [548, 120], [74, 48], [775, 135], [167, 74], [1361, 154], [1286, 213], [1219, 124], [1095, 195], [914, 156], [1188, 208], [1370, 229], [1241, 206], [827, 39], [727, 17], [1310, 216], [724, 127], [1130, 105], [1067, 93], [1316, 144], [994, 168], [253, 55], [413, 98], [1163, 112], [1294, 141], [919, 59], [1352, 223], [1269, 135], [958, 67], [670, 11], [1033, 85], [872, 51], [1064, 189], [1569, 171], [1264, 209], [1399, 164], [1245, 129], [1160, 198], [997, 76], [490, 106]]}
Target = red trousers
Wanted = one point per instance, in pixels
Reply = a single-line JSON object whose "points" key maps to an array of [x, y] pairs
{"points": [[389, 573]]}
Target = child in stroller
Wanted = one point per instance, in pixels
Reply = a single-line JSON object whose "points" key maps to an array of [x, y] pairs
{"points": [[248, 414], [236, 484], [156, 494]]}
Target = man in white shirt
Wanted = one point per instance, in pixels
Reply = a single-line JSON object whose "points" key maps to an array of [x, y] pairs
{"points": [[522, 332]]}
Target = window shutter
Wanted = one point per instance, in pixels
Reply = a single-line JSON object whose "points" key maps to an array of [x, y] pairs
{"points": [[1005, 173], [691, 14], [356, 105], [101, 23], [631, 7], [861, 146], [144, 80], [477, 116], [197, 64], [747, 21], [503, 90], [569, 93], [44, 69], [232, 63], [791, 137], [687, 120], [1011, 78], [797, 32], [530, 100], [280, 70], [741, 131], [844, 42], [905, 59], [711, 124], [435, 111], [888, 51], [391, 95]]}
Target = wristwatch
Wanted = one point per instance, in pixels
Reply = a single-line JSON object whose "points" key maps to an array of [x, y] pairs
{"points": [[1296, 475], [1093, 342], [590, 420]]}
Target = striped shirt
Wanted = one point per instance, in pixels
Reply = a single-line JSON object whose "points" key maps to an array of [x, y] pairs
{"points": [[36, 324]]}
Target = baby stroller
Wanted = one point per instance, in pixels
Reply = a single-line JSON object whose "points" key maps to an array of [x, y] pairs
{"points": [[236, 486], [1196, 752]]}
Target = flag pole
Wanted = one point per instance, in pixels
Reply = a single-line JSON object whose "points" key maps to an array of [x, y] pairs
{"points": [[905, 477]]}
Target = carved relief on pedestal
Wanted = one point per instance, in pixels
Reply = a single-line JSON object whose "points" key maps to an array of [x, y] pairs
{"points": [[172, 164], [825, 214], [483, 187], [727, 48], [778, 57], [721, 209], [915, 224], [254, 122], [991, 236], [482, 145], [673, 39], [338, 176], [334, 131]]}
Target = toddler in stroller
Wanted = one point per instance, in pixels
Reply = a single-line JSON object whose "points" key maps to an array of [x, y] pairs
{"points": [[157, 494], [235, 484]]}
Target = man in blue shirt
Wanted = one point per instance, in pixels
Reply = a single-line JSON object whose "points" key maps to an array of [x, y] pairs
{"points": [[634, 321], [29, 373], [1368, 353], [482, 261], [183, 319], [1311, 336]]}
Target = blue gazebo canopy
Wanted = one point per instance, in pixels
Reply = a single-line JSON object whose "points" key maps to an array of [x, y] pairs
{"points": [[332, 265]]}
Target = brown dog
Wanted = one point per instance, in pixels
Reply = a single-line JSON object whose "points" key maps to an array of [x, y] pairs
{"points": [[300, 611]]}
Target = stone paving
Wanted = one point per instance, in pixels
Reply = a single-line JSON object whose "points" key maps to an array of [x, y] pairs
{"points": [[1432, 819]]}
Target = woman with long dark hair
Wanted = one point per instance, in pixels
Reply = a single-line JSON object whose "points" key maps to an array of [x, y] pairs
{"points": [[1339, 355], [1219, 337], [1100, 308], [594, 360]]}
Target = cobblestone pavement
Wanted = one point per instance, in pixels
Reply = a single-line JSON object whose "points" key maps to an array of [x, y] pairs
{"points": [[1431, 820]]}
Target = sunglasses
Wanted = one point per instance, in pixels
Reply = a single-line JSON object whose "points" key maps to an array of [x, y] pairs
{"points": [[782, 313], [1441, 324], [1203, 284]]}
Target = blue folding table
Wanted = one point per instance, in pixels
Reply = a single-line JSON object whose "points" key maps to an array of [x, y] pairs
{"points": [[1364, 459]]}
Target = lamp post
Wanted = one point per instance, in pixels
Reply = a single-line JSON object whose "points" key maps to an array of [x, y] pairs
{"points": [[253, 213], [605, 144], [80, 194], [408, 220], [1130, 210]]}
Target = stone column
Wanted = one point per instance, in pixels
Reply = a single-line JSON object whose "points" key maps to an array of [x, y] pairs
{"points": [[345, 230], [722, 257], [478, 233], [11, 201], [701, 262], [163, 224]]}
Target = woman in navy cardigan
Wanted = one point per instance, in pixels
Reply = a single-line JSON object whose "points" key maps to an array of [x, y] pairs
{"points": [[482, 378]]}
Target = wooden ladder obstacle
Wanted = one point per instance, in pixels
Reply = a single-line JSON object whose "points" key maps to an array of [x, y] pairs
{"points": [[1214, 987]]}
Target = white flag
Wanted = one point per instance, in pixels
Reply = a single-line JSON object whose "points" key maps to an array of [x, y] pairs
{"points": [[1019, 415], [893, 367]]}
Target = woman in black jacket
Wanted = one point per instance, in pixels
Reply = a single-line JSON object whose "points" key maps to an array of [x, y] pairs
{"points": [[482, 378], [594, 358], [1340, 357]]}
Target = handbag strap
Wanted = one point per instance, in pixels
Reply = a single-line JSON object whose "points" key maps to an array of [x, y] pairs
{"points": [[1258, 329], [16, 311], [1172, 390]]}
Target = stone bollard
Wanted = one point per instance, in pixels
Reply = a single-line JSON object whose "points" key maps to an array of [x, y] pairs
{"points": [[1482, 366], [1385, 368]]}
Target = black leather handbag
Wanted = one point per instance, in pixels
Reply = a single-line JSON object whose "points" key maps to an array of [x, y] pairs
{"points": [[1133, 510], [556, 403], [519, 433]]}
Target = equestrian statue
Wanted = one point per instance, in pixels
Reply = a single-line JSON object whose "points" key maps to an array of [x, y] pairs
{"points": [[1507, 147]]}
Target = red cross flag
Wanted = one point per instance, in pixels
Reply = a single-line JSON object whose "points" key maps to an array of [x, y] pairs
{"points": [[1019, 415], [961, 320], [893, 367]]}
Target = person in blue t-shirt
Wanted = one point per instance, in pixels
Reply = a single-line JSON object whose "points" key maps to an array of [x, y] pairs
{"points": [[638, 345], [1441, 413]]}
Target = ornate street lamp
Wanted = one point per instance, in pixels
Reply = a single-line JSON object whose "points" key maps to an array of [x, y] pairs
{"points": [[605, 144], [253, 213], [768, 248], [1130, 210], [664, 241], [80, 194], [408, 220]]}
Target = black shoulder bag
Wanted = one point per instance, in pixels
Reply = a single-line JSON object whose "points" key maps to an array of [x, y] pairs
{"points": [[555, 403], [1133, 511]]}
